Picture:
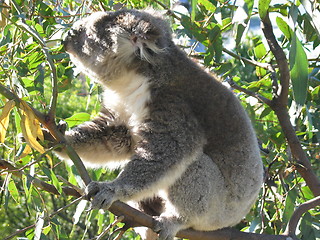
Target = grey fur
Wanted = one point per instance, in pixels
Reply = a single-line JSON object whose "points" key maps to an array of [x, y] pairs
{"points": [[187, 149]]}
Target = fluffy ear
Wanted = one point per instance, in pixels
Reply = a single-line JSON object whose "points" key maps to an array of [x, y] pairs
{"points": [[145, 40]]}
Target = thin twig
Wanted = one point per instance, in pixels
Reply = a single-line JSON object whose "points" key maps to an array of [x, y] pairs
{"points": [[118, 220], [266, 66], [5, 165], [169, 11], [248, 92]]}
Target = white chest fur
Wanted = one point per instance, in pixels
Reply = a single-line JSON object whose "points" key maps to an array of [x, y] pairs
{"points": [[127, 97]]}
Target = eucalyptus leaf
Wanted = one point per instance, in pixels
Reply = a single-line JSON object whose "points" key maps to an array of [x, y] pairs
{"points": [[263, 7], [298, 70], [77, 118], [284, 27], [14, 191], [289, 205], [208, 5], [193, 9]]}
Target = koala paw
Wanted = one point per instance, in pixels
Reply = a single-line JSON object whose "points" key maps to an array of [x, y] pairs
{"points": [[166, 228], [100, 194]]}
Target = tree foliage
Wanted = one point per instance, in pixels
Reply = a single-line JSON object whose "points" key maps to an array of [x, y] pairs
{"points": [[274, 69]]}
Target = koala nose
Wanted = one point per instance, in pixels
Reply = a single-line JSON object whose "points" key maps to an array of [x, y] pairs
{"points": [[69, 36]]}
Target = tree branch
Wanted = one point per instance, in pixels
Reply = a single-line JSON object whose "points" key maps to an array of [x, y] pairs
{"points": [[138, 218], [51, 126], [119, 208], [304, 207], [279, 105], [280, 56], [5, 165], [248, 92], [266, 66]]}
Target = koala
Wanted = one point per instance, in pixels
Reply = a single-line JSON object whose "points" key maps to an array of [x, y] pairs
{"points": [[186, 148]]}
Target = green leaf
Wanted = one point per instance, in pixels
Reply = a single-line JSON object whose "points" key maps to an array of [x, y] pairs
{"points": [[259, 49], [39, 79], [240, 31], [261, 72], [265, 112], [309, 30], [249, 5], [241, 18], [306, 228], [284, 27], [193, 30], [100, 222], [215, 44], [13, 191], [77, 119], [263, 7], [208, 5], [298, 70], [289, 205], [55, 181], [46, 230], [194, 9]]}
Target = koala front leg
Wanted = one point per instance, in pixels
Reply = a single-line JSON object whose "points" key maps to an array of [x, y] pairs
{"points": [[169, 144], [99, 141]]}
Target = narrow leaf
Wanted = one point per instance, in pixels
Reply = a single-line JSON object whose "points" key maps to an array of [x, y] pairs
{"points": [[263, 7], [4, 119], [284, 27], [30, 127], [289, 205], [38, 227], [13, 191], [79, 210], [77, 118], [208, 5], [55, 181], [298, 70], [194, 9]]}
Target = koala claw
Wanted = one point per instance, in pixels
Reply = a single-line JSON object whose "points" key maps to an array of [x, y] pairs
{"points": [[165, 228], [100, 194]]}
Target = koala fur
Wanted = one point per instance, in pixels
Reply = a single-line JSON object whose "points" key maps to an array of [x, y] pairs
{"points": [[186, 147]]}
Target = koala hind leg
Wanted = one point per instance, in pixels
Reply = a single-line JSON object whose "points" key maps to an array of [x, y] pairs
{"points": [[196, 200]]}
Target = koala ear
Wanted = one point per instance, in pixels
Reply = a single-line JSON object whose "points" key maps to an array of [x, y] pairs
{"points": [[144, 38]]}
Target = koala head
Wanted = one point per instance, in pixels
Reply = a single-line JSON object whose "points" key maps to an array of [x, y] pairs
{"points": [[108, 43]]}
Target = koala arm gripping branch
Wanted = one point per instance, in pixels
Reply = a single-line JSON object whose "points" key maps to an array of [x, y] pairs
{"points": [[99, 141], [171, 139]]}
